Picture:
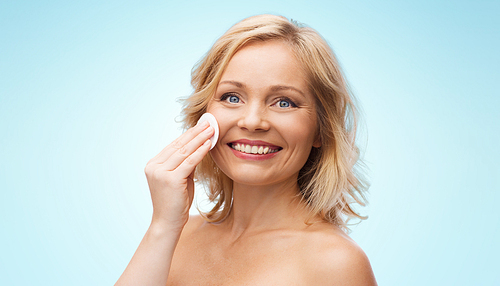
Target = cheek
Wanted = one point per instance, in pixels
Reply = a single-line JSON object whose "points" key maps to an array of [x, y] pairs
{"points": [[224, 119], [300, 130]]}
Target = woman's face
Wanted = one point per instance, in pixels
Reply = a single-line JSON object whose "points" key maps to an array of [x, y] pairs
{"points": [[266, 116]]}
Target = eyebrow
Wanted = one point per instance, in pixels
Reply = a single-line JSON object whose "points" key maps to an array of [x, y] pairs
{"points": [[237, 83], [274, 88]]}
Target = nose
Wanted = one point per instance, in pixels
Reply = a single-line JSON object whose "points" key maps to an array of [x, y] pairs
{"points": [[254, 118]]}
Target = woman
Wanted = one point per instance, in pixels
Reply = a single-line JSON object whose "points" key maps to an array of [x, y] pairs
{"points": [[283, 174]]}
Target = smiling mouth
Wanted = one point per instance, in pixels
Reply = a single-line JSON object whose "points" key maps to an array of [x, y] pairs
{"points": [[254, 149]]}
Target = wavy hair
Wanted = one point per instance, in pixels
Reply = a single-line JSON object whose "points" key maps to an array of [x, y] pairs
{"points": [[332, 180]]}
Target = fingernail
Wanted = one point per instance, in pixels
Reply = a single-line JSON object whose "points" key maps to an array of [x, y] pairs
{"points": [[207, 142], [203, 124]]}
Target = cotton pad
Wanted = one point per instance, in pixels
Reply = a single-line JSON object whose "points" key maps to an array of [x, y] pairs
{"points": [[213, 122]]}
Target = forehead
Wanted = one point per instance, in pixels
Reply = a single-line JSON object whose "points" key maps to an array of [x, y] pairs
{"points": [[268, 63]]}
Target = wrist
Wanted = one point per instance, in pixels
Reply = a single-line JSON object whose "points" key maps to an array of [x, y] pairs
{"points": [[162, 229]]}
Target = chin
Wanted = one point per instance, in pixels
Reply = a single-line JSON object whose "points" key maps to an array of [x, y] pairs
{"points": [[249, 177], [255, 177]]}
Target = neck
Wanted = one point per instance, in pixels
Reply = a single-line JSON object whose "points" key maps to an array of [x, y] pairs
{"points": [[259, 208]]}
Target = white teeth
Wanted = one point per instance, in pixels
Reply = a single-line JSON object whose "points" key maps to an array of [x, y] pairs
{"points": [[252, 149]]}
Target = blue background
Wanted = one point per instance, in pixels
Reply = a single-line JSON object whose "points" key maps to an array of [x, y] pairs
{"points": [[88, 95]]}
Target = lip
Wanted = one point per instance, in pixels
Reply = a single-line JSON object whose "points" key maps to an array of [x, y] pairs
{"points": [[254, 157]]}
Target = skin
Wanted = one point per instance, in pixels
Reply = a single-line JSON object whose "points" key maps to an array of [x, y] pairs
{"points": [[265, 240]]}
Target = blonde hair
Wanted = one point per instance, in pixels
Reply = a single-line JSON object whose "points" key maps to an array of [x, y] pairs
{"points": [[332, 180]]}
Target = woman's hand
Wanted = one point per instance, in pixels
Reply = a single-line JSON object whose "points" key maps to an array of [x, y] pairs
{"points": [[170, 180], [170, 176]]}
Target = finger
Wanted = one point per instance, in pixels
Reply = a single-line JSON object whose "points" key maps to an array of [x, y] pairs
{"points": [[185, 151], [179, 143], [186, 168]]}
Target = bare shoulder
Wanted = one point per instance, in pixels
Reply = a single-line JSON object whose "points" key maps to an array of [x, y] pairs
{"points": [[335, 259]]}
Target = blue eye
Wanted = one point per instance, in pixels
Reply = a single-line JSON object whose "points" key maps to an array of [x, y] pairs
{"points": [[230, 97], [283, 103], [233, 99]]}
